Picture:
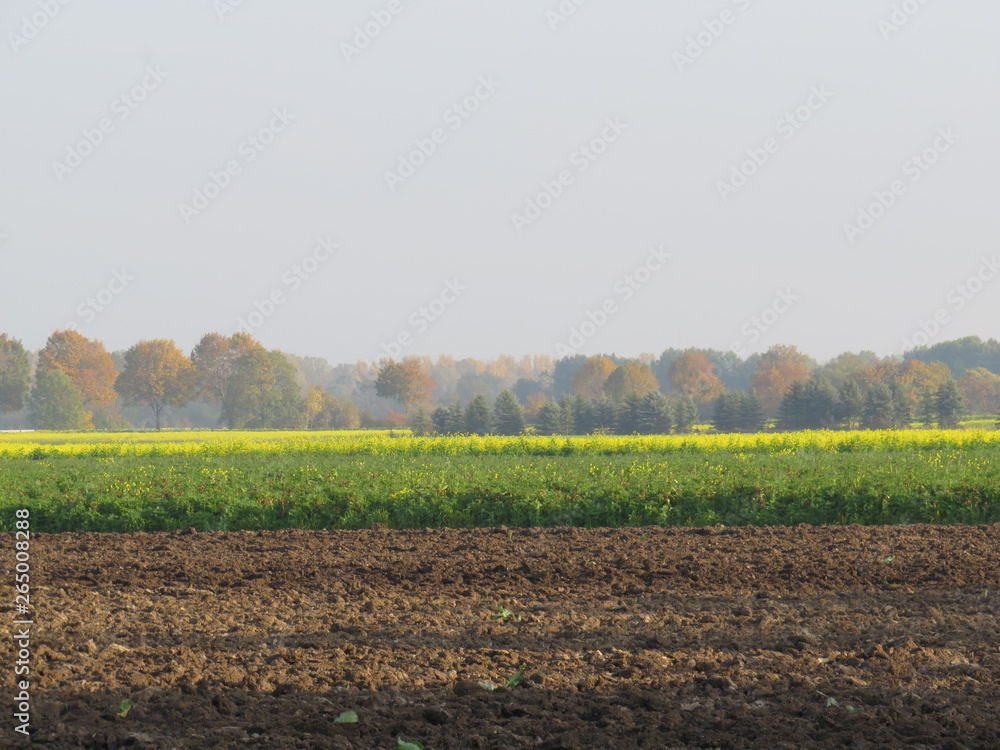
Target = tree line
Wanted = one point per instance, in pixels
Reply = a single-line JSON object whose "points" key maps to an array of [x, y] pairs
{"points": [[233, 381], [76, 384]]}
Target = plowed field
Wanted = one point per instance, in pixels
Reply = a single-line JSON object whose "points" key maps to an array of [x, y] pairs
{"points": [[635, 638]]}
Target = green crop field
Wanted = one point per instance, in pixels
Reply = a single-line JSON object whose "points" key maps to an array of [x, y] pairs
{"points": [[235, 481]]}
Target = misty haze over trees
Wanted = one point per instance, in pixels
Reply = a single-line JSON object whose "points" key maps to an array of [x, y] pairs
{"points": [[235, 382]]}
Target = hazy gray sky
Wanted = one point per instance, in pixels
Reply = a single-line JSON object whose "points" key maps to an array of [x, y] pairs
{"points": [[507, 166]]}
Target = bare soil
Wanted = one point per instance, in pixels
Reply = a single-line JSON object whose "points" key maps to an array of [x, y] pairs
{"points": [[635, 638]]}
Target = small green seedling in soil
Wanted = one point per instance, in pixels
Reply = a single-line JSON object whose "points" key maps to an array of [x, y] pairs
{"points": [[511, 682], [402, 744], [124, 707], [888, 560], [510, 536], [346, 717], [514, 680], [505, 614]]}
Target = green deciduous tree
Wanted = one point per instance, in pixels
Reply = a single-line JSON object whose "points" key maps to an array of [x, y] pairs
{"points": [[324, 411], [264, 393], [55, 403], [214, 359], [15, 374]]}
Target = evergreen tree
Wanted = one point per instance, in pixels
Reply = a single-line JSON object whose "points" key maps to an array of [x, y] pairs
{"points": [[654, 414], [750, 413], [879, 411], [926, 413], [551, 419], [439, 418], [605, 417], [628, 414], [850, 404], [685, 415], [726, 417], [902, 407], [456, 419], [792, 413], [508, 416], [477, 416], [819, 406], [420, 422], [948, 405], [579, 413]]}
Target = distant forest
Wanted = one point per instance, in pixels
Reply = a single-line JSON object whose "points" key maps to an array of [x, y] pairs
{"points": [[235, 382]]}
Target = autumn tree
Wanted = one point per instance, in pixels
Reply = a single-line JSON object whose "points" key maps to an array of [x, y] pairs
{"points": [[981, 391], [158, 375], [15, 374], [842, 368], [324, 411], [406, 382], [589, 379], [90, 368], [56, 404], [263, 392], [631, 379], [917, 377], [779, 368], [214, 359], [692, 375]]}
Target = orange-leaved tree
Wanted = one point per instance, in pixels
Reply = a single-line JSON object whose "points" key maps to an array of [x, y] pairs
{"points": [[89, 367], [780, 368], [589, 379], [631, 379], [157, 374], [406, 382], [692, 375]]}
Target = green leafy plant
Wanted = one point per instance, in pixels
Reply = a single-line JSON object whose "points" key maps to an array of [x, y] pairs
{"points": [[402, 744], [504, 614], [511, 682], [124, 707], [346, 717], [514, 680], [888, 560]]}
